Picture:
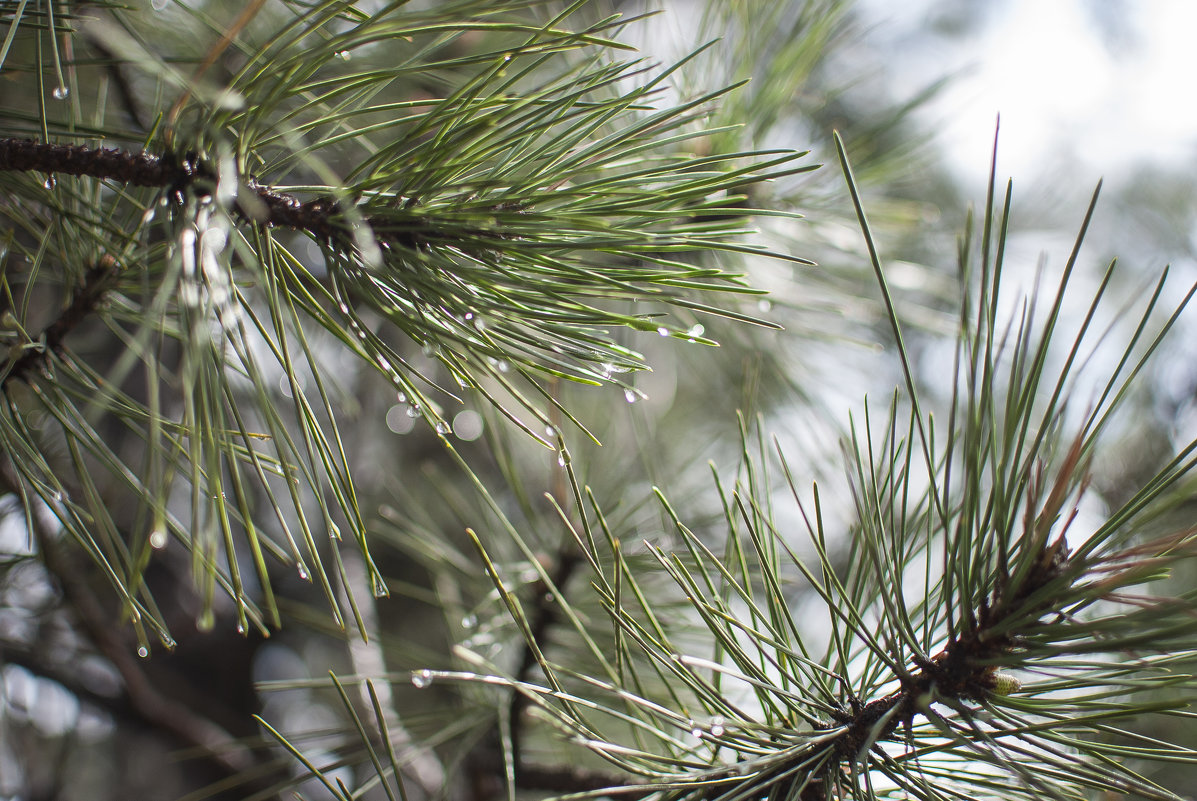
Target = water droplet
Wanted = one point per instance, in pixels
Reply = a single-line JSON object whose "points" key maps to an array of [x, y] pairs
{"points": [[241, 629], [414, 411], [442, 428], [696, 733], [402, 398], [696, 331], [344, 55], [421, 678], [143, 652], [303, 571], [717, 726], [630, 395], [548, 598], [158, 539], [50, 182], [61, 93], [663, 331], [765, 305], [504, 367], [57, 497], [561, 460], [469, 621]]}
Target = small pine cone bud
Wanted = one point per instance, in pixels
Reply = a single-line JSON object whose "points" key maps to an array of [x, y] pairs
{"points": [[1004, 684]]}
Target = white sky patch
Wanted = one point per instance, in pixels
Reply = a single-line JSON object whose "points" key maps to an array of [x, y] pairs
{"points": [[1067, 101]]}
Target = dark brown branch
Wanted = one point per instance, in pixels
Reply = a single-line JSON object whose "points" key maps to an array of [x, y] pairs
{"points": [[264, 204], [86, 299], [136, 169], [256, 202], [545, 613]]}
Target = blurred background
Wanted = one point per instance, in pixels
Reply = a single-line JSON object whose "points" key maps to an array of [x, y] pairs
{"points": [[1086, 89]]}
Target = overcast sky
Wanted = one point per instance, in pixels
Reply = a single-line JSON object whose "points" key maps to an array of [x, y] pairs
{"points": [[1101, 85]]}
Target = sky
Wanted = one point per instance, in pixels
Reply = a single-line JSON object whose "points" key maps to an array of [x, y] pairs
{"points": [[1090, 87]]}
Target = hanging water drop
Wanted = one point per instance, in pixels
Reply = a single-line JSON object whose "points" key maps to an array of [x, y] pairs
{"points": [[143, 652], [561, 460], [421, 678], [630, 395], [50, 182], [663, 331], [442, 428], [158, 539], [414, 411], [344, 55], [241, 629], [303, 571], [61, 93]]}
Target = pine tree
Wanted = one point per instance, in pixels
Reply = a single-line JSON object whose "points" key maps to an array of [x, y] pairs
{"points": [[232, 232]]}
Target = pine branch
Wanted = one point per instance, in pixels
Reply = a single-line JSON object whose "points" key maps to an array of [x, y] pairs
{"points": [[273, 207], [143, 699], [85, 300], [544, 615]]}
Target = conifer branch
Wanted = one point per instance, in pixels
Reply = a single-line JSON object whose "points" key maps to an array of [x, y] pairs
{"points": [[143, 699], [86, 299]]}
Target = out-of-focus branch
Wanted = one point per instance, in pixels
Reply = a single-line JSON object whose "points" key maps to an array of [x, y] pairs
{"points": [[85, 300], [143, 699]]}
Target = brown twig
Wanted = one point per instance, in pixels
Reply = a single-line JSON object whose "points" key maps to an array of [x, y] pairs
{"points": [[85, 300], [163, 713], [256, 202]]}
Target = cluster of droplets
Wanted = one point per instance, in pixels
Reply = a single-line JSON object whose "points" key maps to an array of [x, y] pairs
{"points": [[713, 729]]}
